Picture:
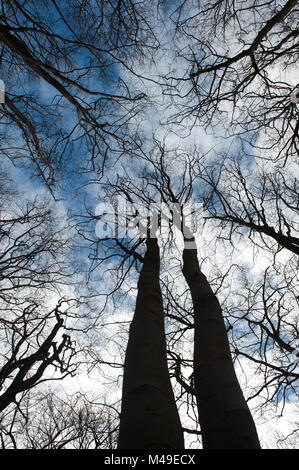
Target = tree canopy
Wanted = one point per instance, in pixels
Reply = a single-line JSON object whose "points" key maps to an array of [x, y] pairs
{"points": [[112, 113]]}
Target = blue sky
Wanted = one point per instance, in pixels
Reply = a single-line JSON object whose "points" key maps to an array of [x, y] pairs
{"points": [[77, 158]]}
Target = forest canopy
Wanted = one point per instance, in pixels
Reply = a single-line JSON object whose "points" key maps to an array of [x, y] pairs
{"points": [[123, 121]]}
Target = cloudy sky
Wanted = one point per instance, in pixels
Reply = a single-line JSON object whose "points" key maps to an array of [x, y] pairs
{"points": [[81, 186]]}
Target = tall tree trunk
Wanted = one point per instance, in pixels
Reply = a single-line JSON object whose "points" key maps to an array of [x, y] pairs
{"points": [[149, 417], [225, 419]]}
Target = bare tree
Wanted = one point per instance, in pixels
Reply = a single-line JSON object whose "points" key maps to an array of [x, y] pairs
{"points": [[223, 423], [75, 96], [92, 40], [230, 53], [261, 204], [149, 417], [225, 419], [60, 423], [265, 333], [30, 352], [33, 271]]}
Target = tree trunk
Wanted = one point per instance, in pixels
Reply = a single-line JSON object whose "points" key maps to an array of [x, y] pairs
{"points": [[149, 417], [225, 419]]}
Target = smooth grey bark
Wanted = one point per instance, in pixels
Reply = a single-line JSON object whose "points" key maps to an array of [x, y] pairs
{"points": [[149, 417], [225, 419]]}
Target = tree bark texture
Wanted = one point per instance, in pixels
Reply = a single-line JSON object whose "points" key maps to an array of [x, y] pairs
{"points": [[149, 416], [225, 419]]}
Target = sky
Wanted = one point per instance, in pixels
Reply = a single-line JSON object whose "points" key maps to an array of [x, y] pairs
{"points": [[73, 195]]}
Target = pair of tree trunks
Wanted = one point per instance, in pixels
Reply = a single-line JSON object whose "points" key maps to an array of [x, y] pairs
{"points": [[149, 416]]}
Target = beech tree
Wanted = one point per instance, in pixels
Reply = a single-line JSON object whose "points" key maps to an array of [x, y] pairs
{"points": [[222, 408], [149, 418], [225, 419], [54, 423], [159, 183]]}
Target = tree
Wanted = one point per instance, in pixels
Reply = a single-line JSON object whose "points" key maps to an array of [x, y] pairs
{"points": [[237, 62], [149, 417], [24, 369], [33, 267], [263, 205], [224, 416], [50, 72], [225, 419], [57, 423]]}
